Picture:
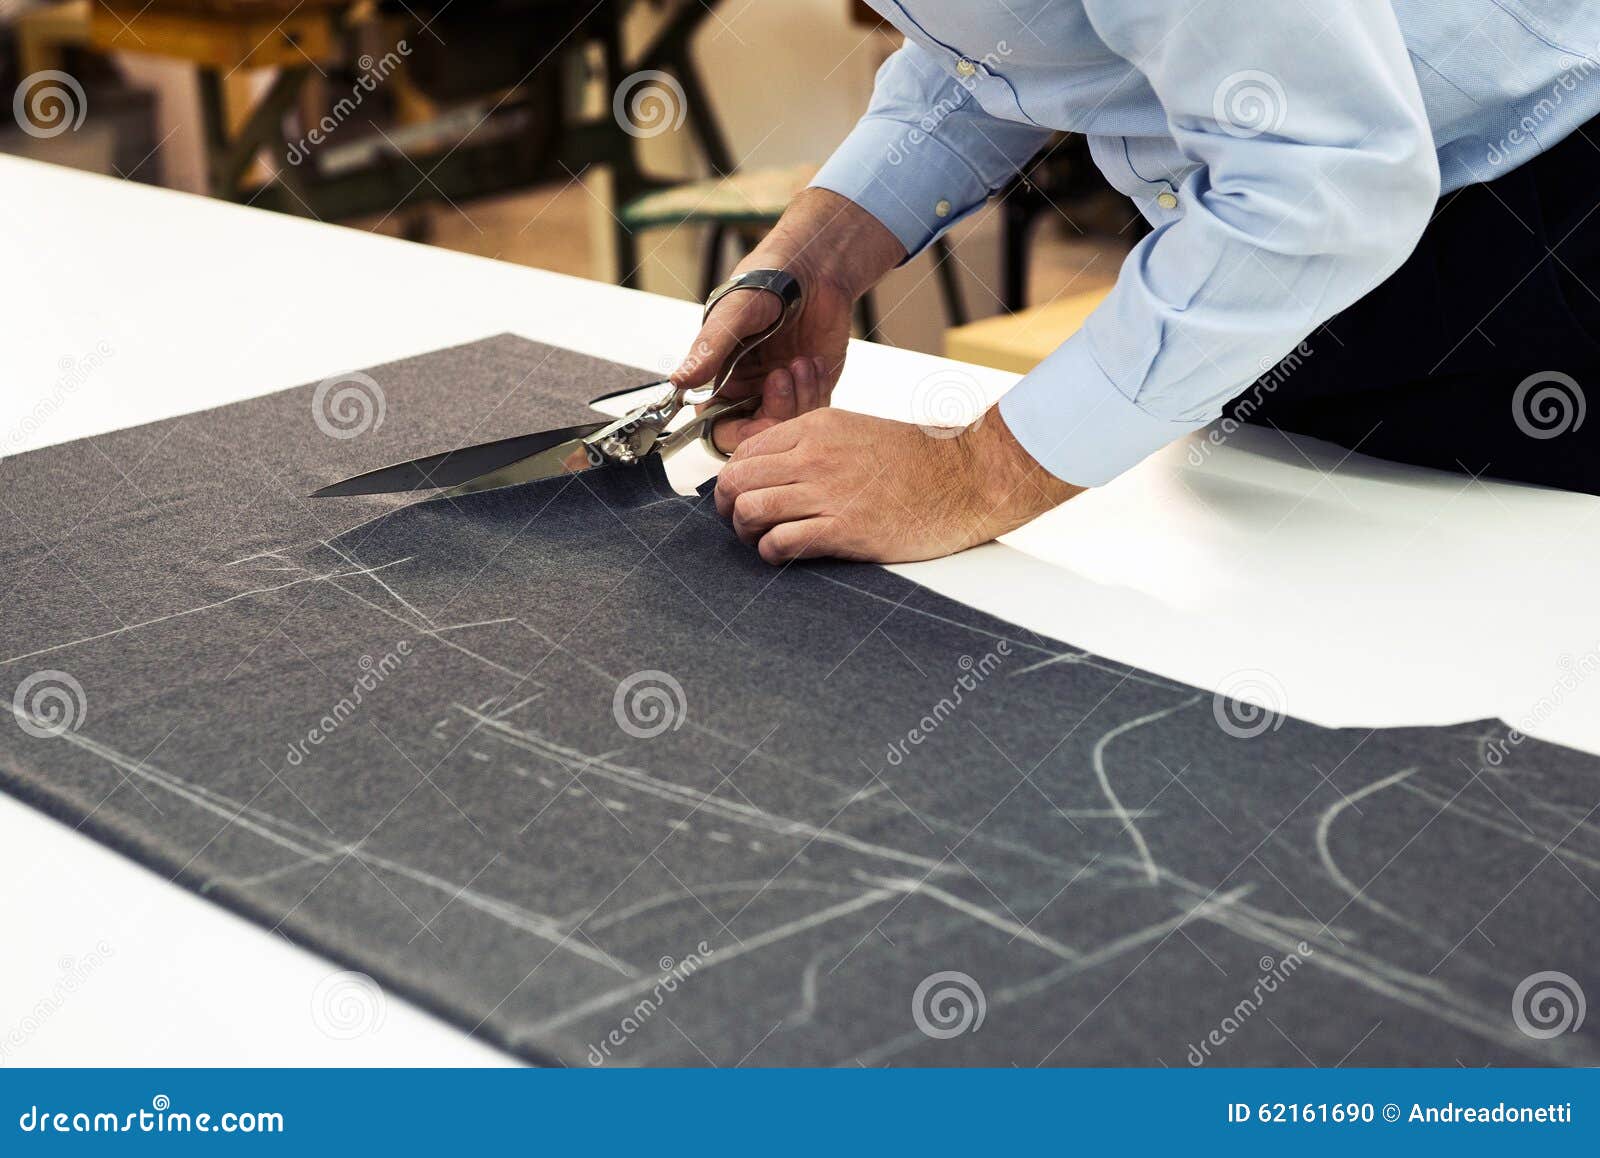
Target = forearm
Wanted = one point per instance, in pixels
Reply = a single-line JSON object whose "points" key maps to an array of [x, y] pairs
{"points": [[823, 237]]}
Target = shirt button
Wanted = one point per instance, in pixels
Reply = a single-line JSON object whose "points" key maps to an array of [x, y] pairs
{"points": [[965, 67], [943, 208], [1168, 200]]}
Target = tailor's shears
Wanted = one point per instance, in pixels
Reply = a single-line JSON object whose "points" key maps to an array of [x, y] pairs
{"points": [[622, 441]]}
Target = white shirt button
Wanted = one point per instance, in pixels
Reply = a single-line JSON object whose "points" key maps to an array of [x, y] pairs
{"points": [[943, 208], [965, 67], [1167, 200]]}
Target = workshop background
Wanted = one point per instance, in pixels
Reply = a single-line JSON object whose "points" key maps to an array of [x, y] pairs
{"points": [[642, 142]]}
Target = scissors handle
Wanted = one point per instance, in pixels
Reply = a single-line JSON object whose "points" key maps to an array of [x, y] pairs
{"points": [[703, 423], [784, 286]]}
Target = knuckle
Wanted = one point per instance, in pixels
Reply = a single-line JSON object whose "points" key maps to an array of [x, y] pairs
{"points": [[749, 506]]}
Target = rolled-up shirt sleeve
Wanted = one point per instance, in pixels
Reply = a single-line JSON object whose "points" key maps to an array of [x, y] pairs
{"points": [[925, 154], [1315, 177]]}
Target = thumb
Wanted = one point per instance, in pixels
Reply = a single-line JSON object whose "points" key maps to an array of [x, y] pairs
{"points": [[740, 313]]}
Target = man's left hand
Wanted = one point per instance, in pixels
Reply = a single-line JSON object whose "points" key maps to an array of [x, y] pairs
{"points": [[836, 483]]}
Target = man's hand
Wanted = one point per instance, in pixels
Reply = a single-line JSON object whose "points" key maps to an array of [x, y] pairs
{"points": [[837, 250], [837, 483]]}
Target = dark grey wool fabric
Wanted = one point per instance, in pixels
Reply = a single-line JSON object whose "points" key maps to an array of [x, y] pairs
{"points": [[567, 764]]}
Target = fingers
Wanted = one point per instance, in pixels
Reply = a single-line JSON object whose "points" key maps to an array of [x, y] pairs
{"points": [[752, 474], [803, 539], [757, 512], [778, 393], [736, 315]]}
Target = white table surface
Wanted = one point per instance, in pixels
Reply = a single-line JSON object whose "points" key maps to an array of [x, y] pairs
{"points": [[1367, 595]]}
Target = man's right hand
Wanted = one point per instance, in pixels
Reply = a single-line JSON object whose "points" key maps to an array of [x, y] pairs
{"points": [[837, 250]]}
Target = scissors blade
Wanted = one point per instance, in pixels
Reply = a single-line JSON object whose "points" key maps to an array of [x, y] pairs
{"points": [[569, 457], [457, 466]]}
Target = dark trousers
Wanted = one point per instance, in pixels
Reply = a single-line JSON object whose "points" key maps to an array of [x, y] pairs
{"points": [[1482, 352]]}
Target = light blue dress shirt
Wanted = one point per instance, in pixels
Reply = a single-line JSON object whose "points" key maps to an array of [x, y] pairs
{"points": [[1288, 153]]}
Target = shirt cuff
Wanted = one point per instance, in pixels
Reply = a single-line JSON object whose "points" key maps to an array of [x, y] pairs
{"points": [[903, 176], [1077, 425]]}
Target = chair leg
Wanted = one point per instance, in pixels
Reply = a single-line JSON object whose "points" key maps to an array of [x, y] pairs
{"points": [[944, 264], [627, 257], [867, 316], [1016, 221], [711, 259]]}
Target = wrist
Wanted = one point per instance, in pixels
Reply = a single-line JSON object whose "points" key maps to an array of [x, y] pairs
{"points": [[829, 240], [1009, 486]]}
